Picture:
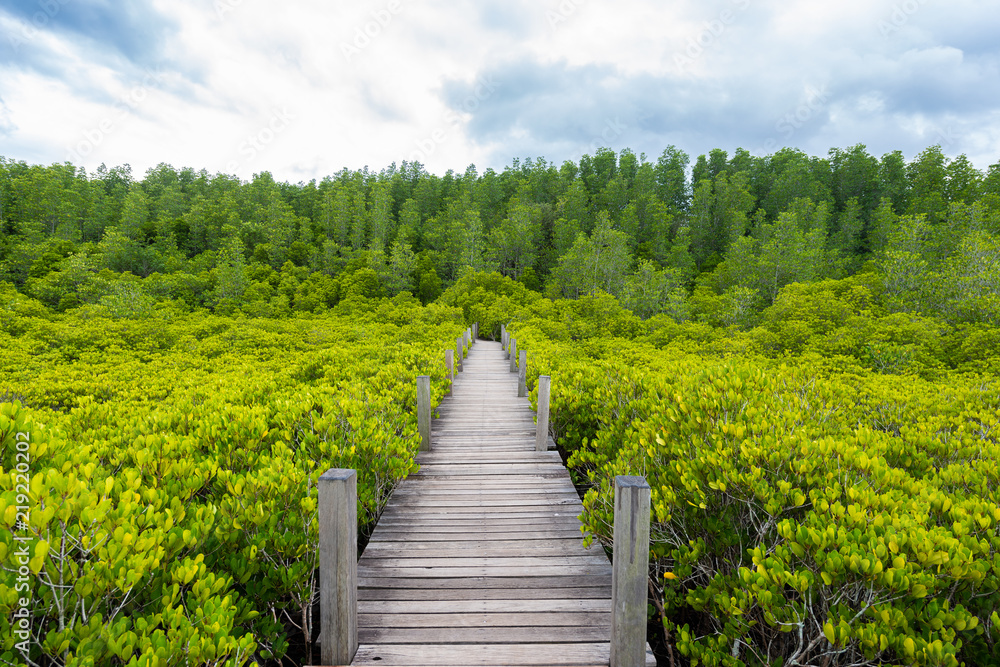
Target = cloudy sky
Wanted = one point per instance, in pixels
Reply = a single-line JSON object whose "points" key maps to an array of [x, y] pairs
{"points": [[304, 88]]}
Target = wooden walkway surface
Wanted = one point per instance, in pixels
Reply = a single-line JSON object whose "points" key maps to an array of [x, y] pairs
{"points": [[478, 558]]}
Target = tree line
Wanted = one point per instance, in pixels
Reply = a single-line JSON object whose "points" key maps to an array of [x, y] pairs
{"points": [[715, 239]]}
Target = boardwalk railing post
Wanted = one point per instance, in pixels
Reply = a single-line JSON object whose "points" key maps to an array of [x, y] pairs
{"points": [[458, 354], [630, 572], [424, 411], [542, 429], [513, 355], [522, 374], [338, 565], [449, 361]]}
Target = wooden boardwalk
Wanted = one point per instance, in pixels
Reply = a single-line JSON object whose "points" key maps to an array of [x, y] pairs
{"points": [[478, 558]]}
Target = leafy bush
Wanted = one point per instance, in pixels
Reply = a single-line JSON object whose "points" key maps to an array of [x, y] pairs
{"points": [[174, 467]]}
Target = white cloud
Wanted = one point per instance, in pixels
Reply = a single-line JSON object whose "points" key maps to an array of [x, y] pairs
{"points": [[370, 83]]}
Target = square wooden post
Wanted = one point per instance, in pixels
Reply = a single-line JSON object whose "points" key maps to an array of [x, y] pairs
{"points": [[424, 411], [503, 337], [522, 374], [338, 565], [630, 572], [513, 355], [459, 351], [449, 361], [542, 428]]}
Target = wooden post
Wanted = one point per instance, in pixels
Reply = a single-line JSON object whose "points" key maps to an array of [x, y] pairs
{"points": [[475, 330], [630, 572], [458, 354], [522, 375], [503, 336], [338, 565], [513, 355], [424, 411], [449, 360], [542, 429]]}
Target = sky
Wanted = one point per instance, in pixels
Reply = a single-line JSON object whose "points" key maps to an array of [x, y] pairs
{"points": [[305, 88]]}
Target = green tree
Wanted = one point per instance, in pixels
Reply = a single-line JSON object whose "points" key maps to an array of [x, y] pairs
{"points": [[600, 262], [904, 268], [971, 280], [651, 291], [399, 276], [382, 222], [927, 179], [671, 178], [892, 181], [513, 246], [718, 215], [230, 278], [788, 250]]}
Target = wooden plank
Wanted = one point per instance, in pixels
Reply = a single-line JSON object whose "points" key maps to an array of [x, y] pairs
{"points": [[532, 562], [485, 619], [367, 570], [482, 606], [533, 593], [380, 580], [508, 635], [443, 535], [483, 655]]}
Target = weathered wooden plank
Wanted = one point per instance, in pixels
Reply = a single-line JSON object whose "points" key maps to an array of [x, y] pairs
{"points": [[533, 562], [430, 548], [533, 593], [507, 635], [485, 619], [482, 655], [367, 569], [451, 533], [417, 494], [482, 606], [482, 582]]}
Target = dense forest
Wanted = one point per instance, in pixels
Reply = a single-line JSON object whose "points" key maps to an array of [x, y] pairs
{"points": [[714, 241], [800, 354]]}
